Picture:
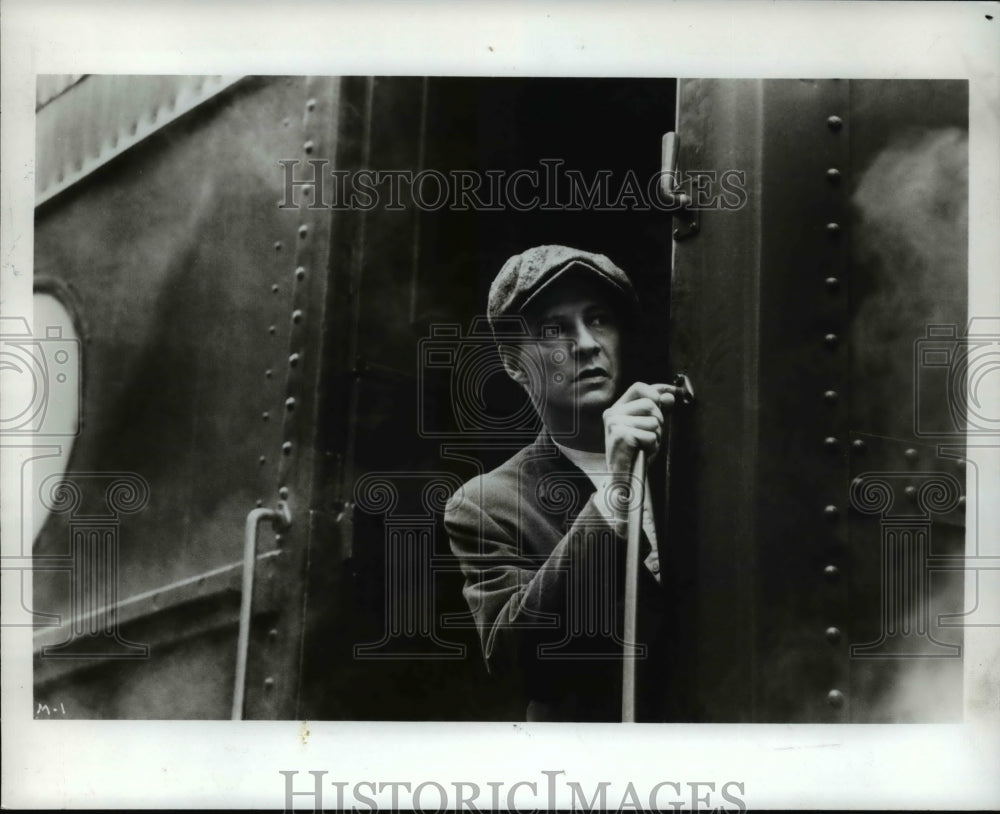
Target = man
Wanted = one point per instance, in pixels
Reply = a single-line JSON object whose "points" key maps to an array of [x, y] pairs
{"points": [[541, 539]]}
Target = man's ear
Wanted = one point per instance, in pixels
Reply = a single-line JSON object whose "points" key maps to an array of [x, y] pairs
{"points": [[510, 356]]}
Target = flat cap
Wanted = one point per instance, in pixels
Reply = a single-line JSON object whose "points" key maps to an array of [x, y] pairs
{"points": [[526, 275]]}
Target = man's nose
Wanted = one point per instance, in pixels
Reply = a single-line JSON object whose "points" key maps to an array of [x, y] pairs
{"points": [[586, 342]]}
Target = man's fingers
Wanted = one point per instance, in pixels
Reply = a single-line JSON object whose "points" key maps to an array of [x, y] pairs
{"points": [[636, 438], [637, 422], [640, 390], [666, 395], [647, 440], [643, 406]]}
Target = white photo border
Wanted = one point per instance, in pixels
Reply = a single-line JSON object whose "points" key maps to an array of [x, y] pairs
{"points": [[89, 764]]}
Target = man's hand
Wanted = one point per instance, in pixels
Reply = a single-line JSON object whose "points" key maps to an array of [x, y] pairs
{"points": [[635, 422]]}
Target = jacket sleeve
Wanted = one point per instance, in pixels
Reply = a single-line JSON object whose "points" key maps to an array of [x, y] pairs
{"points": [[518, 601]]}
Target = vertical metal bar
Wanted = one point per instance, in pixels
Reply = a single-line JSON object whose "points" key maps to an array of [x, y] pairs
{"points": [[281, 519], [631, 584]]}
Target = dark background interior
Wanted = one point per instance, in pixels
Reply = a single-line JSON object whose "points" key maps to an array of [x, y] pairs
{"points": [[465, 124]]}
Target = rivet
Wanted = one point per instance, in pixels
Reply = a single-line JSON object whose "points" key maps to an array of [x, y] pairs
{"points": [[308, 146], [259, 502], [268, 683], [297, 316], [277, 245], [303, 230], [960, 463], [300, 273], [856, 483], [834, 122], [272, 329], [830, 442], [833, 175], [265, 415], [274, 288], [835, 698], [833, 228], [833, 635], [911, 454], [961, 501], [277, 539], [290, 403], [911, 492], [287, 447], [311, 104], [262, 460], [286, 121], [830, 396], [293, 360], [858, 445], [267, 374], [832, 573], [272, 633], [283, 493], [832, 283], [830, 511], [831, 340]]}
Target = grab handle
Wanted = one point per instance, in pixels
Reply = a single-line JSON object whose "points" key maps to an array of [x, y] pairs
{"points": [[281, 519]]}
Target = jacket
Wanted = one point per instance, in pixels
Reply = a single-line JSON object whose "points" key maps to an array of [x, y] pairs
{"points": [[544, 580]]}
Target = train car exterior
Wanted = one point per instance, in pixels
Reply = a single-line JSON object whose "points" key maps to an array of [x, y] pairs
{"points": [[256, 376]]}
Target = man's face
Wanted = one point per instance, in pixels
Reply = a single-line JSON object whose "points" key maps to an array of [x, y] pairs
{"points": [[577, 350]]}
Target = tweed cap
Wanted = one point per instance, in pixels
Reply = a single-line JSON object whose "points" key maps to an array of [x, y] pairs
{"points": [[525, 276]]}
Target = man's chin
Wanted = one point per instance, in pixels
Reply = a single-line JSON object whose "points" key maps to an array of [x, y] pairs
{"points": [[596, 398]]}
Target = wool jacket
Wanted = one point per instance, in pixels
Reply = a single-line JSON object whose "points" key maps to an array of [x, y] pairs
{"points": [[544, 580]]}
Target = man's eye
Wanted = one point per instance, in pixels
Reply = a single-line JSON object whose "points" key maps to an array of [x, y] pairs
{"points": [[599, 319]]}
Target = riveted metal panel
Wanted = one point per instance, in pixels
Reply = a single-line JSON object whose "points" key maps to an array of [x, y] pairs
{"points": [[907, 538], [802, 398], [796, 317], [276, 653], [171, 254]]}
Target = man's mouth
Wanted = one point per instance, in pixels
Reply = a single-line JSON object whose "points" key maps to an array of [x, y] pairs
{"points": [[592, 374]]}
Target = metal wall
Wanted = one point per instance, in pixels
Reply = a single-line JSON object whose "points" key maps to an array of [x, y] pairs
{"points": [[181, 269], [797, 317]]}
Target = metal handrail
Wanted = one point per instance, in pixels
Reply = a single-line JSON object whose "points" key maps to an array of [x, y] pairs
{"points": [[281, 518], [631, 583]]}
